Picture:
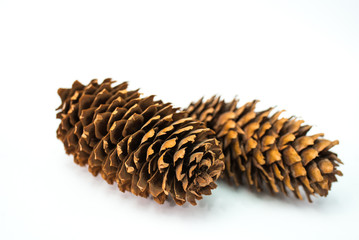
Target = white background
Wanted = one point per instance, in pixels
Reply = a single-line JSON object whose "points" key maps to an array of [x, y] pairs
{"points": [[302, 56]]}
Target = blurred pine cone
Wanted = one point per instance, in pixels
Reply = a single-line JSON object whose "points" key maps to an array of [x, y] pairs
{"points": [[268, 150], [146, 146]]}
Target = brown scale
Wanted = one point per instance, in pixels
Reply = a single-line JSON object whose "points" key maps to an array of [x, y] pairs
{"points": [[146, 146], [74, 121], [268, 150]]}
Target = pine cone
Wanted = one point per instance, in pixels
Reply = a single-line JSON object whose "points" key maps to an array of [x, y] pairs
{"points": [[263, 149], [146, 146]]}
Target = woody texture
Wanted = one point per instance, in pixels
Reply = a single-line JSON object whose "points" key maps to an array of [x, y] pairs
{"points": [[263, 149], [147, 147]]}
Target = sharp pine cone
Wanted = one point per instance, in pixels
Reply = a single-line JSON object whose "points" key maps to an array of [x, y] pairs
{"points": [[268, 150], [146, 146]]}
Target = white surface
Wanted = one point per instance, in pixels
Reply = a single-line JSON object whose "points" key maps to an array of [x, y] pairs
{"points": [[302, 56]]}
